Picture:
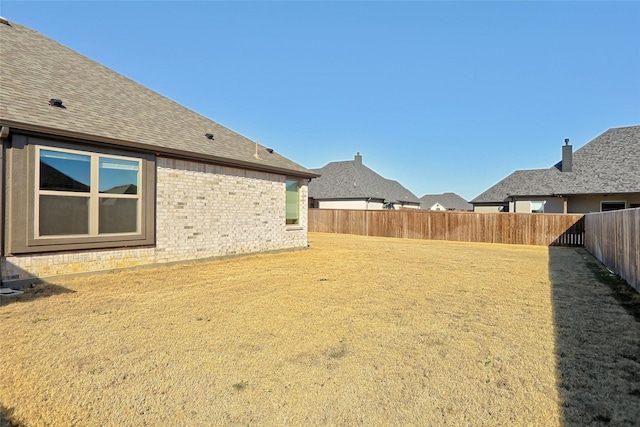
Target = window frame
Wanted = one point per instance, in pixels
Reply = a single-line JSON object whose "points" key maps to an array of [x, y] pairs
{"points": [[94, 195], [542, 204], [24, 159], [296, 221]]}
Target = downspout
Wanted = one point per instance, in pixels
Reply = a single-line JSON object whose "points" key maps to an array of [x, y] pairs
{"points": [[4, 134]]}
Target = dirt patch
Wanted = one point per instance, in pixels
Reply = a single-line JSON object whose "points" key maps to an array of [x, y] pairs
{"points": [[353, 331]]}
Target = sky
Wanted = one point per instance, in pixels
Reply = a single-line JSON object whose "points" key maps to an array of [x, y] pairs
{"points": [[440, 96]]}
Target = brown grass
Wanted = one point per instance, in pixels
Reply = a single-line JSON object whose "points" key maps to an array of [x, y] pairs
{"points": [[353, 331]]}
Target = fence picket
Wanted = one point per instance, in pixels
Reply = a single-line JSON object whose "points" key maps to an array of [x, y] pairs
{"points": [[614, 238], [513, 228]]}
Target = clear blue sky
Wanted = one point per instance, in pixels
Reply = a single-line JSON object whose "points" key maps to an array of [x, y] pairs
{"points": [[440, 96]]}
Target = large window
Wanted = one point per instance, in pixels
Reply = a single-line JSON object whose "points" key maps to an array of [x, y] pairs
{"points": [[86, 194], [79, 197], [293, 202]]}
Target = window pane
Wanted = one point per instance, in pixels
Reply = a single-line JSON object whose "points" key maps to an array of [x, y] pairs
{"points": [[118, 215], [118, 176], [63, 215], [60, 171], [292, 202], [537, 207]]}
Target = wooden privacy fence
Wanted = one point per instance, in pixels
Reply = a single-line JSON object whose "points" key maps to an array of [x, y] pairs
{"points": [[511, 228], [614, 238]]}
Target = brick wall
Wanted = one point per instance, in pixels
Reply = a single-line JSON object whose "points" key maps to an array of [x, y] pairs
{"points": [[203, 211]]}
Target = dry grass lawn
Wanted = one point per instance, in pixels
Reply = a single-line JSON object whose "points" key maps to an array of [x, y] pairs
{"points": [[354, 331]]}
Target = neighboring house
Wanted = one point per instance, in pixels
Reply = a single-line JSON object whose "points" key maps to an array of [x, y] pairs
{"points": [[444, 202], [602, 175], [101, 172], [352, 185]]}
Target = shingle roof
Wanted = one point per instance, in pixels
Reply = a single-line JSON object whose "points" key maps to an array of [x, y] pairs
{"points": [[106, 107], [447, 200], [353, 180], [608, 164]]}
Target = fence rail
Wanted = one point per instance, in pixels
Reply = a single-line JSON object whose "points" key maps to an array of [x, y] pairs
{"points": [[614, 238], [511, 228]]}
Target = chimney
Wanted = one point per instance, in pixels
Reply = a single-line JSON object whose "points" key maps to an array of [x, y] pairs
{"points": [[358, 159], [567, 156]]}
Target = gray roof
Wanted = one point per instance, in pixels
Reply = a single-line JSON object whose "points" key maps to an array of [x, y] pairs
{"points": [[105, 107], [353, 180], [447, 200], [608, 164]]}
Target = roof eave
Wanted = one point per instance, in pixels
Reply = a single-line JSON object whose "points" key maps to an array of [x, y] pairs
{"points": [[347, 198], [563, 194], [187, 155], [489, 202]]}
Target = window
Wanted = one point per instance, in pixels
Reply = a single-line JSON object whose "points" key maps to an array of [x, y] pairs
{"points": [[78, 197], [537, 207], [611, 206], [86, 194], [292, 202]]}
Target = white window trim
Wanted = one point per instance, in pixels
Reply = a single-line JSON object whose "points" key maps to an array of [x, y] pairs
{"points": [[531, 202]]}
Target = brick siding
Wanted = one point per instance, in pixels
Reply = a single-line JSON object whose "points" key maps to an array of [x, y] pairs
{"points": [[202, 211]]}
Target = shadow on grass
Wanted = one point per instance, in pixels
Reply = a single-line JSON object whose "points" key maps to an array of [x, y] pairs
{"points": [[35, 291], [5, 414], [597, 324]]}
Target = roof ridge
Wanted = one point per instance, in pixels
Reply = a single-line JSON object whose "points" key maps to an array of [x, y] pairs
{"points": [[607, 164]]}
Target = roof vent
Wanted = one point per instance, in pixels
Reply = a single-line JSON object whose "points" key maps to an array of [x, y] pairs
{"points": [[4, 21], [56, 103], [209, 135]]}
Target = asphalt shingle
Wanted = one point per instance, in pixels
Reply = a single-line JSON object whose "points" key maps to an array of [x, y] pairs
{"points": [[103, 106], [447, 200], [608, 164], [353, 180]]}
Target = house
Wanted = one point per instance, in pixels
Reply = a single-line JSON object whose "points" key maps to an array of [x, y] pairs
{"points": [[101, 172], [444, 202], [602, 175], [352, 185]]}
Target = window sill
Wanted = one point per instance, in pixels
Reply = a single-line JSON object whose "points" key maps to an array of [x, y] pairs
{"points": [[294, 228]]}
